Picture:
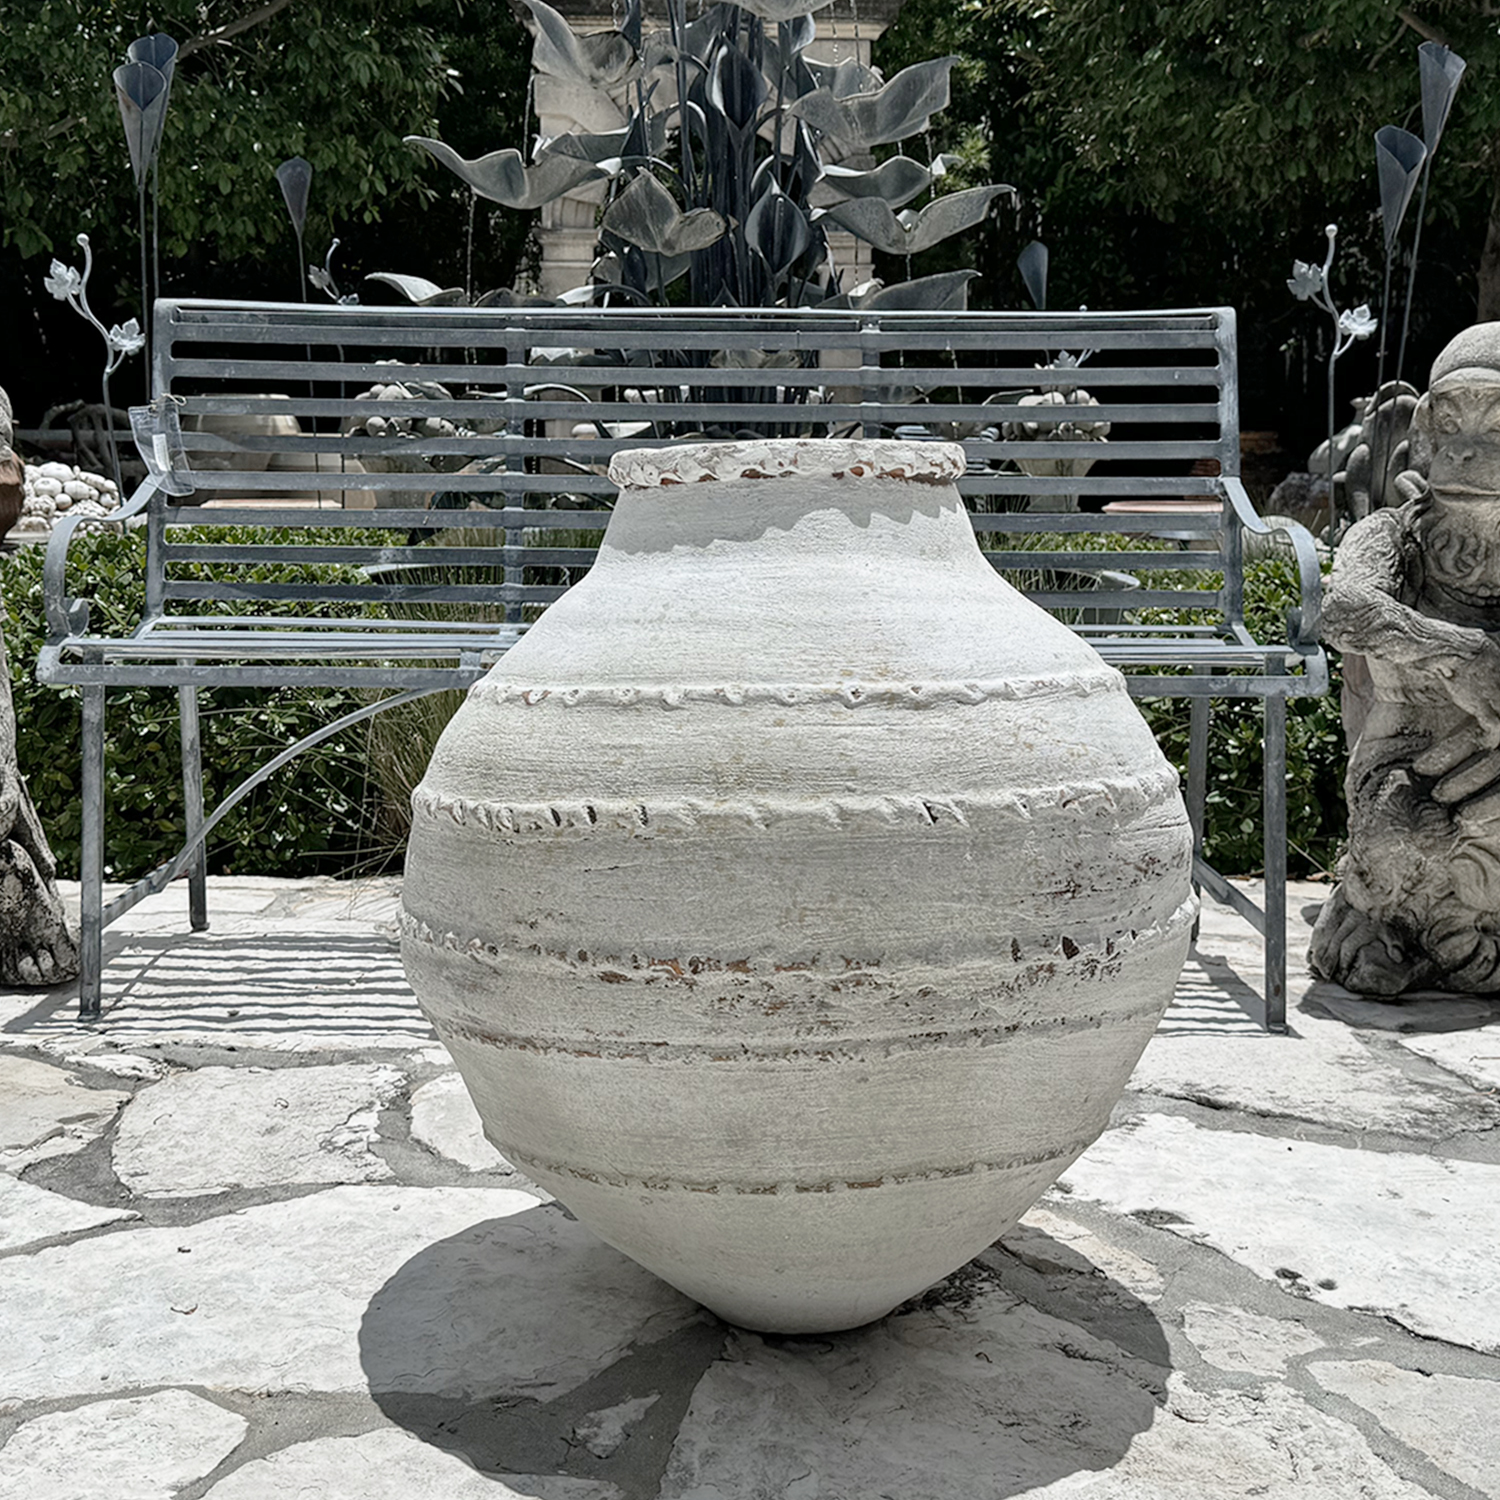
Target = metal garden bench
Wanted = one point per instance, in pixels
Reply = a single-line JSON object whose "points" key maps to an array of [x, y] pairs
{"points": [[505, 419]]}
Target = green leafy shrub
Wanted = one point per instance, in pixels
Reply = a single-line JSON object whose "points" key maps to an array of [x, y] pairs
{"points": [[309, 818], [1316, 755], [1315, 752], [325, 812]]}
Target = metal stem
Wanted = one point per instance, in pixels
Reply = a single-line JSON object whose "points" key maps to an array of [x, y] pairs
{"points": [[114, 447], [145, 285], [1411, 278]]}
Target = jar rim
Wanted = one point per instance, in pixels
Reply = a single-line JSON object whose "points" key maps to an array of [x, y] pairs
{"points": [[785, 458]]}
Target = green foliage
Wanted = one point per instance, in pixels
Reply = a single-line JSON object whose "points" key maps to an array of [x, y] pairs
{"points": [[339, 82], [326, 810], [1316, 818], [334, 82], [1183, 155], [309, 818], [1316, 756], [1168, 103]]}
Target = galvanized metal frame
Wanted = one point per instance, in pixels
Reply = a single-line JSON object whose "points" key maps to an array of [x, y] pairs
{"points": [[1167, 381]]}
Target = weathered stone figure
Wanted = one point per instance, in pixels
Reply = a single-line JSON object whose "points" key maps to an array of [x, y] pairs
{"points": [[36, 947], [1416, 591]]}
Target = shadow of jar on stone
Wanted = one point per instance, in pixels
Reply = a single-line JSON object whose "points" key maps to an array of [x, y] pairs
{"points": [[513, 1343]]}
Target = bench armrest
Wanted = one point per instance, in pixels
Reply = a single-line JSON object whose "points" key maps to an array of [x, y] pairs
{"points": [[1304, 622], [67, 616]]}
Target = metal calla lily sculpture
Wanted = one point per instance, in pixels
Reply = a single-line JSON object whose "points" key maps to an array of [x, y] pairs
{"points": [[143, 89], [723, 176], [1402, 161]]}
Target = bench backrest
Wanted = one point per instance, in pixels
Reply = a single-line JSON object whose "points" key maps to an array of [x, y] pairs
{"points": [[518, 410]]}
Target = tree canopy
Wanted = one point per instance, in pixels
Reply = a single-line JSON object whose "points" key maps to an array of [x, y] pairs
{"points": [[1240, 110], [339, 82]]}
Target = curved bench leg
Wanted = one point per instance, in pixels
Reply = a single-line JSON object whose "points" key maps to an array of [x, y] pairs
{"points": [[192, 797]]}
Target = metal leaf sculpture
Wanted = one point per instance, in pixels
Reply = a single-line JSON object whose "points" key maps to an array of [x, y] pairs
{"points": [[1398, 160], [897, 180], [142, 94], [901, 108], [295, 178], [634, 145], [781, 10], [1032, 264], [724, 180], [647, 216], [909, 233], [597, 61], [419, 290], [845, 78], [503, 176], [948, 291]]}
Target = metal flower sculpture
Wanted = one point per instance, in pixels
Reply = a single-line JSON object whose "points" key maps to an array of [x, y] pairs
{"points": [[294, 177], [1402, 160], [120, 339], [143, 88], [723, 169], [1441, 70], [323, 278], [1310, 282]]}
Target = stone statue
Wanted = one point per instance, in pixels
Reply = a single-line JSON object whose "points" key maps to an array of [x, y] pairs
{"points": [[1380, 452], [36, 947], [1416, 592]]}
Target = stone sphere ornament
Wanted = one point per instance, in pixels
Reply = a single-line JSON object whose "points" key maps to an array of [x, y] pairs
{"points": [[796, 898]]}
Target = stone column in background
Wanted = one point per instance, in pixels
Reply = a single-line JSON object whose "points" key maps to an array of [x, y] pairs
{"points": [[36, 947]]}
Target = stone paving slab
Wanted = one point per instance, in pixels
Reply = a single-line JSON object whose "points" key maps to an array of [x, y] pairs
{"points": [[442, 1291], [140, 1448], [1411, 1238], [389, 1465], [1447, 1417], [46, 1111], [220, 1128], [249, 1224], [31, 1215], [443, 1119]]}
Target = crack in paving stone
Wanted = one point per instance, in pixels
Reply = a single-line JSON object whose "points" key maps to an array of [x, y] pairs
{"points": [[1475, 1144]]}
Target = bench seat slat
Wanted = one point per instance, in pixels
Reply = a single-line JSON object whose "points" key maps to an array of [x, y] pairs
{"points": [[494, 376], [478, 595], [390, 557], [599, 450]]}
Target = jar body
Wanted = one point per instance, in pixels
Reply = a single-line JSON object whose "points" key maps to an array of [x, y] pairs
{"points": [[796, 898]]}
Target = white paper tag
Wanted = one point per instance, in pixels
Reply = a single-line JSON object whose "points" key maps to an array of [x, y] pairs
{"points": [[159, 448]]}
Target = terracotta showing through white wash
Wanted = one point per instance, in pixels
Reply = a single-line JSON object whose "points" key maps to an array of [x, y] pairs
{"points": [[796, 898]]}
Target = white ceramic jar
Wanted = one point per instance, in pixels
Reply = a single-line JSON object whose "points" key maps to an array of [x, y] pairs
{"points": [[796, 898]]}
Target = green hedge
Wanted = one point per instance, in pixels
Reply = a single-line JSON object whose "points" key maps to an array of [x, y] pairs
{"points": [[312, 817], [323, 812], [1316, 819]]}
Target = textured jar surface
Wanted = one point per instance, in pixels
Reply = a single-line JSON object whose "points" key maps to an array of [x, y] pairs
{"points": [[796, 898]]}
